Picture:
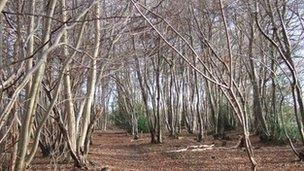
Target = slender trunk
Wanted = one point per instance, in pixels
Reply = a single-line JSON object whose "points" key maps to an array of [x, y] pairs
{"points": [[239, 108], [170, 105], [159, 119], [211, 105], [71, 119], [34, 96], [200, 135], [91, 83], [27, 124], [144, 95], [135, 125], [260, 122], [14, 139], [30, 46]]}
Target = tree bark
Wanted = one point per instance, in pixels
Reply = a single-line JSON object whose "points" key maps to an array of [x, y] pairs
{"points": [[71, 119], [34, 97], [2, 4], [91, 82]]}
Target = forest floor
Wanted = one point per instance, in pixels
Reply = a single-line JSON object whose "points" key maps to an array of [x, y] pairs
{"points": [[118, 151]]}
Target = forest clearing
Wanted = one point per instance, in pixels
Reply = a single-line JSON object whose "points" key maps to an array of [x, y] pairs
{"points": [[151, 85], [117, 150]]}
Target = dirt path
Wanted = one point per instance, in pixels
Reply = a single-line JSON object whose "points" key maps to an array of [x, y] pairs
{"points": [[117, 151]]}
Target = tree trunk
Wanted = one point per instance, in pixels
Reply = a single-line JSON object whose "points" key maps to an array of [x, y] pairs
{"points": [[159, 119], [260, 122], [33, 96], [71, 119], [91, 82]]}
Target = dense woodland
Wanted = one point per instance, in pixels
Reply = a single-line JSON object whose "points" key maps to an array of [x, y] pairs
{"points": [[205, 67]]}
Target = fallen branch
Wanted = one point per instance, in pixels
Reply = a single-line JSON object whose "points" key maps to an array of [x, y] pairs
{"points": [[193, 148]]}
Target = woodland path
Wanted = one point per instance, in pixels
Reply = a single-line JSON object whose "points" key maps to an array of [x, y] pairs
{"points": [[118, 151]]}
